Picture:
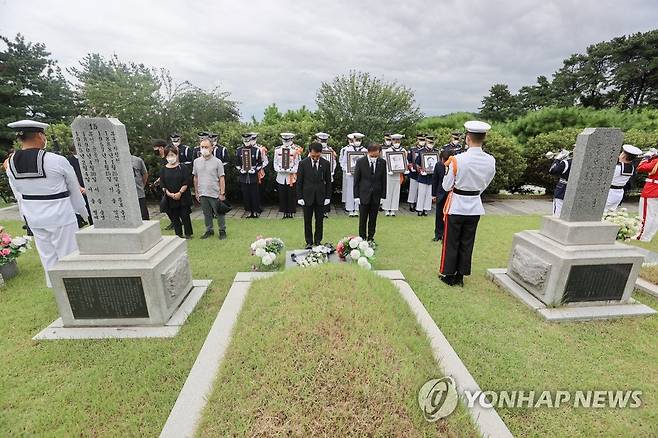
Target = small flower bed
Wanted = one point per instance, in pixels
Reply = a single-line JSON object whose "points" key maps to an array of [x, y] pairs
{"points": [[12, 247], [355, 249], [629, 225], [267, 250]]}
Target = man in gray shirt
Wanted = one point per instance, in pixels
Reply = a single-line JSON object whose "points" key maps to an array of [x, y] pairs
{"points": [[210, 188], [141, 178]]}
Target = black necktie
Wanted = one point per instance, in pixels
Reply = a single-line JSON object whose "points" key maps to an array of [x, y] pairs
{"points": [[315, 165], [372, 167]]}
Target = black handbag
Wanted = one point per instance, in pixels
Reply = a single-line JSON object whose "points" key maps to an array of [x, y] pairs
{"points": [[164, 205], [223, 208]]}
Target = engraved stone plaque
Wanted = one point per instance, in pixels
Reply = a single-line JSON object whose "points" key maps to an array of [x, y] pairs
{"points": [[106, 297], [596, 282], [176, 279], [529, 269]]}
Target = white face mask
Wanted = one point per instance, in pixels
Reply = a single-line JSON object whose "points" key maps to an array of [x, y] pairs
{"points": [[421, 143], [172, 160], [387, 142], [357, 143], [324, 143], [176, 143], [396, 145], [205, 152]]}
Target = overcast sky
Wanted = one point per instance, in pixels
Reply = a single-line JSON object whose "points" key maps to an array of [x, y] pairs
{"points": [[449, 52]]}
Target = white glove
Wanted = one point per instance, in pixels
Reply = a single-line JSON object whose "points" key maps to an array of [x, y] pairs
{"points": [[563, 154], [381, 202], [390, 173], [301, 202], [252, 170], [326, 201], [243, 171], [423, 173], [348, 173], [357, 201]]}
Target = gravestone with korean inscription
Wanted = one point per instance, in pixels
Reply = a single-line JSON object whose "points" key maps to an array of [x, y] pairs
{"points": [[575, 259], [125, 272]]}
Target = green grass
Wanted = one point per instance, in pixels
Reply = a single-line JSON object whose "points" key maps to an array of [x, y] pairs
{"points": [[127, 387], [346, 359]]}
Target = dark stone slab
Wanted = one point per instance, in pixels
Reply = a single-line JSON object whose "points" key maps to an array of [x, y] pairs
{"points": [[596, 282], [106, 297]]}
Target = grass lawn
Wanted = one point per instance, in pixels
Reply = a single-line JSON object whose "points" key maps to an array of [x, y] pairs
{"points": [[127, 387], [345, 359]]}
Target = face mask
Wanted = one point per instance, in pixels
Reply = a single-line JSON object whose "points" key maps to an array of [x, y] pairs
{"points": [[357, 143], [205, 152], [156, 151], [396, 145], [387, 142], [176, 143], [421, 143], [430, 145], [324, 143], [172, 160]]}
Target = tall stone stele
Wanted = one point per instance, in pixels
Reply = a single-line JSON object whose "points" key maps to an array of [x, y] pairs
{"points": [[575, 258], [125, 272]]}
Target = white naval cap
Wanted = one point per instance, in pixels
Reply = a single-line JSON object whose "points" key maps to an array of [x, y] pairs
{"points": [[630, 149], [287, 135], [28, 126], [477, 127], [350, 136], [397, 136], [322, 135], [357, 135]]}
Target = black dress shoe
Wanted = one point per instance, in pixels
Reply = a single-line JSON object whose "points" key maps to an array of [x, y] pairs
{"points": [[437, 239], [459, 280], [188, 237], [207, 234], [448, 279], [309, 246], [222, 235]]}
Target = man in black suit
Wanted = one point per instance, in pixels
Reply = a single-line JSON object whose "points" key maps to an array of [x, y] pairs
{"points": [[75, 163], [439, 195], [314, 192], [369, 189]]}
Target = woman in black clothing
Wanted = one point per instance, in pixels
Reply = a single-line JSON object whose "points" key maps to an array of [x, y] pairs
{"points": [[175, 179]]}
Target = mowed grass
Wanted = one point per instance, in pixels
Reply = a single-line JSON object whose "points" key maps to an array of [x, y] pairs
{"points": [[127, 387], [325, 351]]}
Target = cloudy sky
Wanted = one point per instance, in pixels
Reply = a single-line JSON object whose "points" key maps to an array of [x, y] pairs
{"points": [[449, 52]]}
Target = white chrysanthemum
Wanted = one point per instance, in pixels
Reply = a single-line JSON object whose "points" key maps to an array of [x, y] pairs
{"points": [[364, 245], [22, 249], [362, 262], [253, 246], [355, 254], [261, 243], [369, 252], [272, 255], [267, 260], [359, 239], [368, 266], [354, 243], [260, 252]]}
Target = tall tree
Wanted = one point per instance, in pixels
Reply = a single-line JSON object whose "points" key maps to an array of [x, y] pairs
{"points": [[360, 101], [534, 97], [500, 105], [31, 86]]}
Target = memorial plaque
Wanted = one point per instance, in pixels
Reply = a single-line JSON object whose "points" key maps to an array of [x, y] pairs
{"points": [[106, 166], [596, 282], [592, 167], [246, 159], [106, 297], [285, 158]]}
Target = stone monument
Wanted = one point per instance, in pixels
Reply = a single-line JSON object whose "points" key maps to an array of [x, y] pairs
{"points": [[573, 267], [125, 272]]}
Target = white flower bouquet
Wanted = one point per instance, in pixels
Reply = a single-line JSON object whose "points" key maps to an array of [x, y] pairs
{"points": [[629, 225], [267, 249], [355, 249]]}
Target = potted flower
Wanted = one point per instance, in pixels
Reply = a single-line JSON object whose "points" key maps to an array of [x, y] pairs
{"points": [[10, 249], [355, 249], [267, 250]]}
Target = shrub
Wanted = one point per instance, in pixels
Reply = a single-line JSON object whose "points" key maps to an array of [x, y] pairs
{"points": [[510, 163], [536, 172]]}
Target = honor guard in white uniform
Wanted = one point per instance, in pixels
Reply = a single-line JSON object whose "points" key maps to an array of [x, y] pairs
{"points": [[350, 142], [351, 205], [286, 177], [424, 178], [323, 139], [624, 170], [393, 180], [412, 197], [48, 194], [467, 175]]}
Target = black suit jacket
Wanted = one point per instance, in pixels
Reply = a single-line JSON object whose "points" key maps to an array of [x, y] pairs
{"points": [[369, 187], [75, 163], [313, 187]]}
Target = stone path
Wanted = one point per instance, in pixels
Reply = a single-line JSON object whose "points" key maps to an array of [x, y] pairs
{"points": [[541, 206]]}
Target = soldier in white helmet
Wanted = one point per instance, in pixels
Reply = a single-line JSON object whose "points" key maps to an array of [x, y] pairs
{"points": [[351, 204], [48, 193]]}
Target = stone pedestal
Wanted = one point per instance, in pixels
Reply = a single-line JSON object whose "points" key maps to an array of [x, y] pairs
{"points": [[123, 278]]}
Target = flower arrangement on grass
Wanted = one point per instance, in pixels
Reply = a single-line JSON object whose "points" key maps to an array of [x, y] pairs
{"points": [[355, 249], [628, 225], [318, 255], [12, 247], [267, 250]]}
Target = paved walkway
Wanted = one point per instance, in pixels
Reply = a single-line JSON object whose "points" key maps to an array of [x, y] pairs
{"points": [[494, 207]]}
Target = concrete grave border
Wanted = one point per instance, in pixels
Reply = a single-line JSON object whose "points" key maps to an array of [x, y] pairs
{"points": [[581, 312], [184, 417], [56, 330]]}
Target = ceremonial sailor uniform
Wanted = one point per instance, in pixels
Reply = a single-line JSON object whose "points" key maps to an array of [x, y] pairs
{"points": [[623, 172], [286, 178], [467, 175], [394, 181], [351, 205], [649, 199], [412, 197], [424, 179], [48, 195], [248, 178], [560, 168]]}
